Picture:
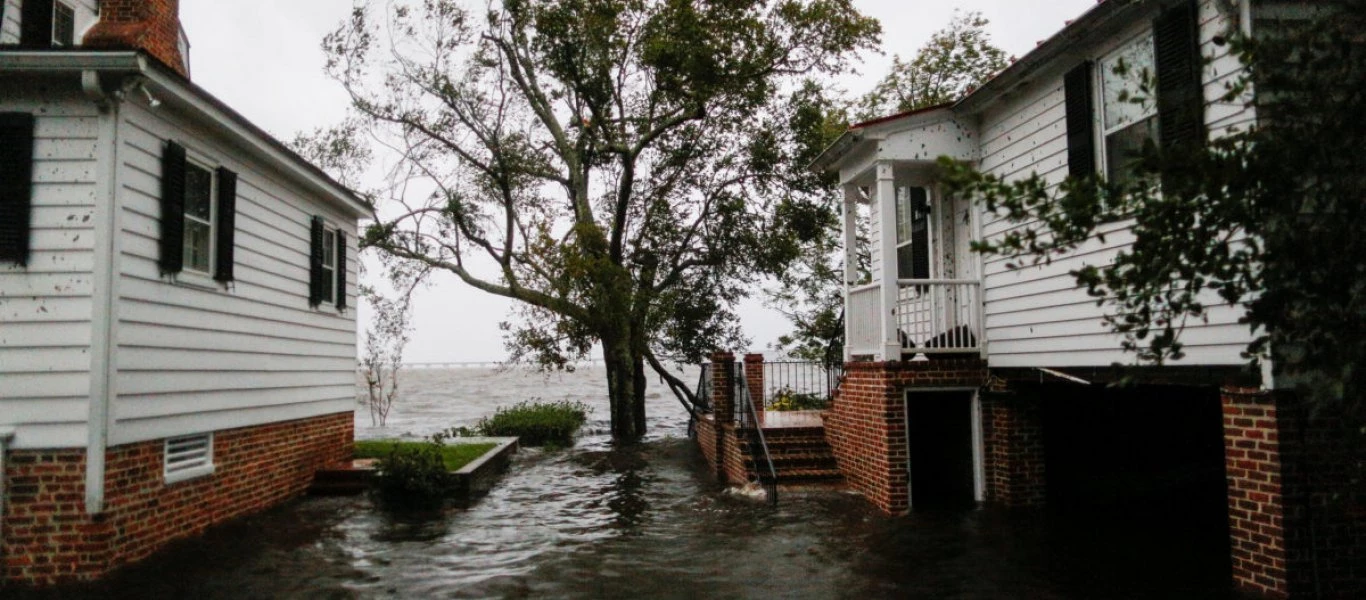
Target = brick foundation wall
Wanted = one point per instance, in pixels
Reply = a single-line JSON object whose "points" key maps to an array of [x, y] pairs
{"points": [[1013, 457], [866, 422], [1297, 508], [48, 538]]}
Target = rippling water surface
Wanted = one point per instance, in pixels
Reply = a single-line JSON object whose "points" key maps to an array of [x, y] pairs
{"points": [[648, 521]]}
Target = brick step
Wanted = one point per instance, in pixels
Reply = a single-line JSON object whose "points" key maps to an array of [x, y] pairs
{"points": [[795, 432], [808, 475], [790, 448], [783, 462], [805, 441], [342, 479]]}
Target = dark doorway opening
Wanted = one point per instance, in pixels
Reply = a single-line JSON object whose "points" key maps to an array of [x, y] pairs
{"points": [[939, 429], [1142, 468]]}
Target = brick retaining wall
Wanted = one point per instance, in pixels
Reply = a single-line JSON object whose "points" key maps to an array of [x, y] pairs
{"points": [[48, 538]]}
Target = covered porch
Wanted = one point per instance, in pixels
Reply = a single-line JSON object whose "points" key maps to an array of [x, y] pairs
{"points": [[912, 283]]}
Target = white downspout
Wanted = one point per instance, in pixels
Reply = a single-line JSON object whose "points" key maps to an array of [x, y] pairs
{"points": [[6, 435], [103, 319]]}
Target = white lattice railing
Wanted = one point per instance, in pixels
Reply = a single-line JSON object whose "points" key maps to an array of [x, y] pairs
{"points": [[937, 316], [864, 320]]}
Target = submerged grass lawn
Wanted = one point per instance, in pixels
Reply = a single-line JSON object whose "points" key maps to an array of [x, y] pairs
{"points": [[454, 455]]}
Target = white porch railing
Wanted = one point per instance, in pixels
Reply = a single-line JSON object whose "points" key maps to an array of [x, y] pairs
{"points": [[864, 319], [932, 316], [937, 316]]}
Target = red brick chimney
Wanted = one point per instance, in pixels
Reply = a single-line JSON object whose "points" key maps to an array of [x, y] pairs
{"points": [[149, 25]]}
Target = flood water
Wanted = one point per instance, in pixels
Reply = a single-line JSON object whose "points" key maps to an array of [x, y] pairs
{"points": [[647, 522]]}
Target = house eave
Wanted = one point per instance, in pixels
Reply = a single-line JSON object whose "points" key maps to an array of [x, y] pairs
{"points": [[1091, 25], [169, 85]]}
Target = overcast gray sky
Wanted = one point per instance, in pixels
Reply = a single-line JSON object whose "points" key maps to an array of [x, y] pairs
{"points": [[262, 57]]}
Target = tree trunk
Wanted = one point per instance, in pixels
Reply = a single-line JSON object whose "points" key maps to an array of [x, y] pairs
{"points": [[625, 389]]}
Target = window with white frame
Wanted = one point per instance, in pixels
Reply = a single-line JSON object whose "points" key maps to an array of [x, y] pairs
{"points": [[199, 218], [1128, 106]]}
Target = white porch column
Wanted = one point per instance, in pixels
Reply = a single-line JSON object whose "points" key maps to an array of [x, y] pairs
{"points": [[851, 197], [885, 197]]}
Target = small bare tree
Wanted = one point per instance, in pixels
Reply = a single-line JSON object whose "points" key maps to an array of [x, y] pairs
{"points": [[385, 339]]}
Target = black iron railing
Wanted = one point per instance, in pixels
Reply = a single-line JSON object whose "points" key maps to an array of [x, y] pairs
{"points": [[747, 417], [793, 385]]}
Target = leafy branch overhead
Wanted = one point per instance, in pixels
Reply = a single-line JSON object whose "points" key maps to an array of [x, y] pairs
{"points": [[618, 167]]}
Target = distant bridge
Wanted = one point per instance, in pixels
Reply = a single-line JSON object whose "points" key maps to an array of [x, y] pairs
{"points": [[484, 364]]}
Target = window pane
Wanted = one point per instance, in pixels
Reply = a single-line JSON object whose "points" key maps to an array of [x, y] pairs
{"points": [[196, 245], [198, 183], [329, 283], [1124, 148], [329, 249], [1122, 74], [905, 262], [63, 25]]}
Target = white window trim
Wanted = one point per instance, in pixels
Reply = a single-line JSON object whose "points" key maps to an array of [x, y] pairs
{"points": [[188, 274], [1101, 133], [192, 472]]}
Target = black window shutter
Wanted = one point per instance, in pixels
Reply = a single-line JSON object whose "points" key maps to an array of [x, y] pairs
{"points": [[227, 224], [1180, 98], [16, 186], [341, 269], [172, 208], [35, 24], [1081, 139], [315, 262]]}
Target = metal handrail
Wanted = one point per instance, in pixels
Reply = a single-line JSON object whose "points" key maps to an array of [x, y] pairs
{"points": [[742, 397]]}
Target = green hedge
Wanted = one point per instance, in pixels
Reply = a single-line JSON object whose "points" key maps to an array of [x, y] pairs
{"points": [[537, 423]]}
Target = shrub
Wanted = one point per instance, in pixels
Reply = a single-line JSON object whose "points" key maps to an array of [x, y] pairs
{"points": [[537, 423], [414, 473], [786, 399]]}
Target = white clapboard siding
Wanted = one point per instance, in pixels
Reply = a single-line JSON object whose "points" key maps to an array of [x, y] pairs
{"points": [[45, 307], [9, 23], [1037, 315], [199, 356]]}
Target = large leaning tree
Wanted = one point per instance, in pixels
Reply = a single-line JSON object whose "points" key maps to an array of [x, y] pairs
{"points": [[955, 59], [1270, 217], [614, 166]]}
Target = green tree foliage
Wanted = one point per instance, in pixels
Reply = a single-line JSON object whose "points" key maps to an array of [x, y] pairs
{"points": [[618, 167], [1269, 217], [955, 60], [810, 294]]}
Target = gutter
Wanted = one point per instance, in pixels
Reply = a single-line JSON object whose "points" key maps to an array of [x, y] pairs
{"points": [[6, 436]]}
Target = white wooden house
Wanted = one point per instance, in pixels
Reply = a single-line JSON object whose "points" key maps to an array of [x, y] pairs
{"points": [[967, 375], [175, 288], [1058, 102]]}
